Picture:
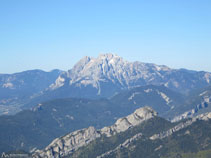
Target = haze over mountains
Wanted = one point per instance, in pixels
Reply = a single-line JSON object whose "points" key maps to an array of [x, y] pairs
{"points": [[16, 89], [100, 77], [96, 92]]}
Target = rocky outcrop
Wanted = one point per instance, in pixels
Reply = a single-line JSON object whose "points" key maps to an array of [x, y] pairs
{"points": [[68, 144], [132, 120], [180, 126], [204, 104], [127, 144], [72, 141]]}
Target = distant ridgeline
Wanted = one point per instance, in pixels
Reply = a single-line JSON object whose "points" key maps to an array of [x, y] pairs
{"points": [[92, 78]]}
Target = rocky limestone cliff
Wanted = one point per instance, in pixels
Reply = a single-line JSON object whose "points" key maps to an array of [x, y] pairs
{"points": [[188, 114], [127, 143], [164, 134], [109, 73], [132, 120], [68, 143], [72, 141]]}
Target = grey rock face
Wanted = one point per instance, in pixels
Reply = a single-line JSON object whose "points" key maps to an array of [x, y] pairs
{"points": [[132, 120], [180, 126], [72, 141], [69, 143], [108, 74], [128, 144], [204, 104]]}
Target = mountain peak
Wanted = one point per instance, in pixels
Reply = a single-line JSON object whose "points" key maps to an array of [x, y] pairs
{"points": [[108, 56], [102, 59], [81, 63], [109, 73]]}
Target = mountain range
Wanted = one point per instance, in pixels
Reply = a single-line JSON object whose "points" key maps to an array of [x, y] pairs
{"points": [[108, 74], [80, 109], [92, 78]]}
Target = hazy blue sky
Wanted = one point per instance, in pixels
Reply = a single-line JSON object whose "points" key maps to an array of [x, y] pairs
{"points": [[49, 34]]}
